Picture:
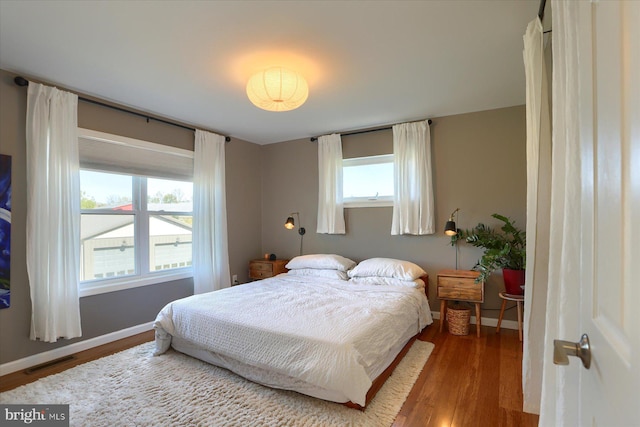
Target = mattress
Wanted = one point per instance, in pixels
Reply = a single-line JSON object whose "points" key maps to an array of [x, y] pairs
{"points": [[322, 337]]}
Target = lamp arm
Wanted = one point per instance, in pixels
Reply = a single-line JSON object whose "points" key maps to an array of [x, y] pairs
{"points": [[301, 230]]}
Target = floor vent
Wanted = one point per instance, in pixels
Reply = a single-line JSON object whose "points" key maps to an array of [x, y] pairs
{"points": [[47, 364]]}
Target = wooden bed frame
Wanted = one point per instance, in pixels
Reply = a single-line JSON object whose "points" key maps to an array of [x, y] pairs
{"points": [[382, 378]]}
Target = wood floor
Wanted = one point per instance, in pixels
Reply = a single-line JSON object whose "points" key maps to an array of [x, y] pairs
{"points": [[467, 381]]}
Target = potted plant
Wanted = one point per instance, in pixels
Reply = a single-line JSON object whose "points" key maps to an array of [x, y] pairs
{"points": [[504, 248]]}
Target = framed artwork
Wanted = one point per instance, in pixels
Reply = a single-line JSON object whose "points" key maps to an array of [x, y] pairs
{"points": [[5, 230]]}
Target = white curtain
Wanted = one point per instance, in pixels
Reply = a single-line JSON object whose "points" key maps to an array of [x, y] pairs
{"points": [[413, 208], [559, 405], [538, 206], [330, 205], [210, 247], [53, 213]]}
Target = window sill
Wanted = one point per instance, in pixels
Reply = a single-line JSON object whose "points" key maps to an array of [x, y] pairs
{"points": [[368, 204], [106, 286]]}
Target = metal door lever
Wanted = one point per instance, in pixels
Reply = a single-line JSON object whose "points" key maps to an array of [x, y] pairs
{"points": [[563, 349]]}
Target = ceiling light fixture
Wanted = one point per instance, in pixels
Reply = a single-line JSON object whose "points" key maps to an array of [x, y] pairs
{"points": [[277, 89]]}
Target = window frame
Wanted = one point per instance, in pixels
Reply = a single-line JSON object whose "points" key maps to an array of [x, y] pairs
{"points": [[143, 276], [367, 202]]}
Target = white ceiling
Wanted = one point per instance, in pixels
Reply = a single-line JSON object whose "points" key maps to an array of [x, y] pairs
{"points": [[368, 63]]}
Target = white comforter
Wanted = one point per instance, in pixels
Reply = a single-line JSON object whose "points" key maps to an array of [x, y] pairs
{"points": [[327, 333]]}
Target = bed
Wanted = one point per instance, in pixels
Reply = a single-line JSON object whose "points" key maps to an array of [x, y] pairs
{"points": [[327, 328]]}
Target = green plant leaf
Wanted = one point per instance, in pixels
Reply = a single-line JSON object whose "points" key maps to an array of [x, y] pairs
{"points": [[504, 247]]}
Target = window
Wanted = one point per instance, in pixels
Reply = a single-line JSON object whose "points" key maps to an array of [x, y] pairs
{"points": [[124, 235], [135, 226], [368, 181]]}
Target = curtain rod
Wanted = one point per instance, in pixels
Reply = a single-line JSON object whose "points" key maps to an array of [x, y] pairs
{"points": [[21, 81], [541, 9], [358, 132]]}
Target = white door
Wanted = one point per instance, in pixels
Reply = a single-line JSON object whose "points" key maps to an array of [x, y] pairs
{"points": [[609, 392]]}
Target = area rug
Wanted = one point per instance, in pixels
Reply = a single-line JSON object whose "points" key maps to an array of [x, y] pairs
{"points": [[134, 388]]}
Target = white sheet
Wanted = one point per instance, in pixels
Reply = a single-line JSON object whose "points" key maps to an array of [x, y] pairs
{"points": [[326, 333]]}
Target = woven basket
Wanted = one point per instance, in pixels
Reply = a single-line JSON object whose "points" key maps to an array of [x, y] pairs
{"points": [[458, 318]]}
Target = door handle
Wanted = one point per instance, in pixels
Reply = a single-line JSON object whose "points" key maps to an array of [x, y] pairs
{"points": [[563, 349]]}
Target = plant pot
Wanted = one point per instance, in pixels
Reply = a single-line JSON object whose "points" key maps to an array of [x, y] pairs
{"points": [[513, 281]]}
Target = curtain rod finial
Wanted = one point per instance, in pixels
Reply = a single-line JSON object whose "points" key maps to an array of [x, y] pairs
{"points": [[21, 81]]}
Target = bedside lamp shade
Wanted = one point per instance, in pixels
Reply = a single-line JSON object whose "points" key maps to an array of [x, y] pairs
{"points": [[450, 227], [290, 224]]}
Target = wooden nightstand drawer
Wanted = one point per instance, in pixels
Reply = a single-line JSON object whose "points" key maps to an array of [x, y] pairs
{"points": [[455, 293], [457, 282], [262, 269], [259, 274], [261, 266], [459, 288]]}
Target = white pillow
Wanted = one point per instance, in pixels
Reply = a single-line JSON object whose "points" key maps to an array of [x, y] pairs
{"points": [[387, 267], [321, 261], [389, 281], [318, 272]]}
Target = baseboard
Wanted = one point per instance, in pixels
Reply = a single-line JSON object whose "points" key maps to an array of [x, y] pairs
{"points": [[487, 321], [47, 356]]}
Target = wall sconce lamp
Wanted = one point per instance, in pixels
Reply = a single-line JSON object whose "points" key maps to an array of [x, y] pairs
{"points": [[290, 224], [450, 227], [451, 230]]}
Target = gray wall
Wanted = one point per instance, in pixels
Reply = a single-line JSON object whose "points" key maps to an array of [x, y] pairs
{"points": [[479, 165], [110, 312]]}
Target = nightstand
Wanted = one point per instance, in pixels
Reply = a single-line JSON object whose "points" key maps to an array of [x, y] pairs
{"points": [[263, 268], [459, 285]]}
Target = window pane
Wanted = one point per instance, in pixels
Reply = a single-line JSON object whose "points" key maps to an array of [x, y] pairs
{"points": [[368, 180], [169, 195], [102, 190], [169, 241], [107, 246]]}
